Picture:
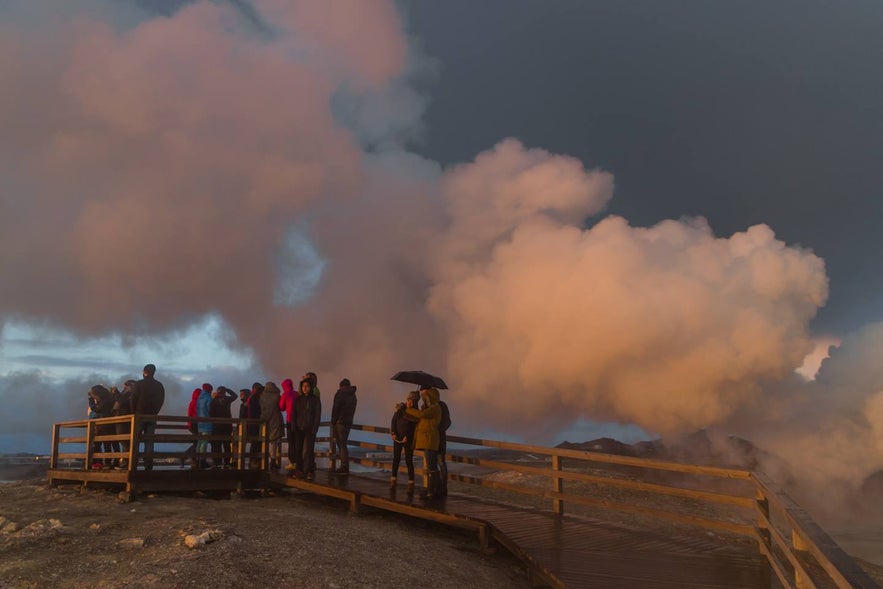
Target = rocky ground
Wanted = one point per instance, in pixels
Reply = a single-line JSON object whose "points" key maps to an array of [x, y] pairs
{"points": [[64, 538]]}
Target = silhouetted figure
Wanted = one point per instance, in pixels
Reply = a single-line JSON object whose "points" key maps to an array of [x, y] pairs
{"points": [[222, 449], [342, 412], [148, 396], [306, 415], [402, 432]]}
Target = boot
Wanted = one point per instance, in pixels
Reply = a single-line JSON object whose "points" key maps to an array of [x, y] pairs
{"points": [[431, 490]]}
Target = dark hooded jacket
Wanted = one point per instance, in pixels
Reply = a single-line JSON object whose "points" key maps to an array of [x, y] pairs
{"points": [[101, 401], [344, 408], [402, 427], [220, 407], [306, 413], [270, 411], [148, 396]]}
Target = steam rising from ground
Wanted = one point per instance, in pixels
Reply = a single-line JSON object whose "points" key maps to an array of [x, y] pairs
{"points": [[154, 171]]}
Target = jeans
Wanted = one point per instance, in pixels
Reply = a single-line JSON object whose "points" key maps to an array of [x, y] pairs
{"points": [[397, 448], [148, 428], [304, 450], [341, 437]]}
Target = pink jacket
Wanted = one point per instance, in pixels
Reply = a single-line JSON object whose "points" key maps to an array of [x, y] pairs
{"points": [[286, 401]]}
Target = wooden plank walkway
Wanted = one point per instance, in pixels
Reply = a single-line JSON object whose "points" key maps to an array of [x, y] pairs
{"points": [[564, 551]]}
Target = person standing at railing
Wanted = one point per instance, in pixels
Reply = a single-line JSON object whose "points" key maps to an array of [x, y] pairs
{"points": [[243, 403], [203, 409], [272, 415], [254, 412], [222, 449], [305, 419], [101, 405], [286, 403], [190, 452], [123, 406], [443, 426], [426, 439], [148, 396], [402, 432], [343, 411]]}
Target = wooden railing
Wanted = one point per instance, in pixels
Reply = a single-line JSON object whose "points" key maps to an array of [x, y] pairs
{"points": [[810, 559], [170, 435]]}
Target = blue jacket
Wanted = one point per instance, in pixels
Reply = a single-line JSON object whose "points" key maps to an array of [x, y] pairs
{"points": [[203, 405]]}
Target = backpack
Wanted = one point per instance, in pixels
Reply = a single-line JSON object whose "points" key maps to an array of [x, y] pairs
{"points": [[445, 422]]}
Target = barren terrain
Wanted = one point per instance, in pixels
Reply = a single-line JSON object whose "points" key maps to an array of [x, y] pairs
{"points": [[64, 538]]}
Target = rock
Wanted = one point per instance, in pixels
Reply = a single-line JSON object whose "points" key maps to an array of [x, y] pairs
{"points": [[124, 497], [234, 539], [40, 527], [195, 541], [131, 543], [95, 527], [9, 527]]}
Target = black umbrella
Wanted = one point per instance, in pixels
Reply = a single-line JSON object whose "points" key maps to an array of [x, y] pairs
{"points": [[418, 377]]}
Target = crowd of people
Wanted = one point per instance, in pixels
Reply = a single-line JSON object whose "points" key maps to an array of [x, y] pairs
{"points": [[418, 424]]}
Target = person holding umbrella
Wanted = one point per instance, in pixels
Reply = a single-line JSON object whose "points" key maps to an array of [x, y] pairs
{"points": [[426, 438]]}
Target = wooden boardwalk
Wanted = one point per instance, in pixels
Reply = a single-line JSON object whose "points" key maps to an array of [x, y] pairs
{"points": [[784, 547], [563, 551]]}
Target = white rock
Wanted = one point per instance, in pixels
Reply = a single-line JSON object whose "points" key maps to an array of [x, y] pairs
{"points": [[131, 543], [194, 541]]}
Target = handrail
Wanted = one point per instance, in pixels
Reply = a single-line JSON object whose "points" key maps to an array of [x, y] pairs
{"points": [[808, 538], [239, 438]]}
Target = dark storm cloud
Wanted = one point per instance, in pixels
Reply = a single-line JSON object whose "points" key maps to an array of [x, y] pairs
{"points": [[740, 112]]}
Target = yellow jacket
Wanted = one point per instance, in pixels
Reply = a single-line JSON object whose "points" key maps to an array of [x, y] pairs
{"points": [[426, 434]]}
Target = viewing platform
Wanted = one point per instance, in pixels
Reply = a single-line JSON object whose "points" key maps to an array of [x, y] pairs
{"points": [[574, 518]]}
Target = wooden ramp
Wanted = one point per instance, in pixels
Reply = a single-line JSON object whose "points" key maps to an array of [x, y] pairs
{"points": [[563, 551]]}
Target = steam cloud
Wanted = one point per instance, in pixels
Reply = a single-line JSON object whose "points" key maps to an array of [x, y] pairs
{"points": [[154, 170]]}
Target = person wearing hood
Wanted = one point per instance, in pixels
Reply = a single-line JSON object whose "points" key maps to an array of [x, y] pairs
{"points": [[203, 409], [401, 429], [222, 432], [101, 405], [426, 438], [190, 453], [305, 417], [272, 415], [286, 403], [342, 412], [314, 382], [443, 426], [123, 406]]}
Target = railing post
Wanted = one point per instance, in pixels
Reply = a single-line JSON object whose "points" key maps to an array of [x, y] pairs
{"points": [[265, 447], [136, 443], [764, 538], [557, 485], [797, 542], [90, 439], [241, 430], [332, 454], [53, 460], [131, 454]]}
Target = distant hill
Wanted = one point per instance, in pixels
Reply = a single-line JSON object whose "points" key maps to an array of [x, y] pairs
{"points": [[695, 448]]}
